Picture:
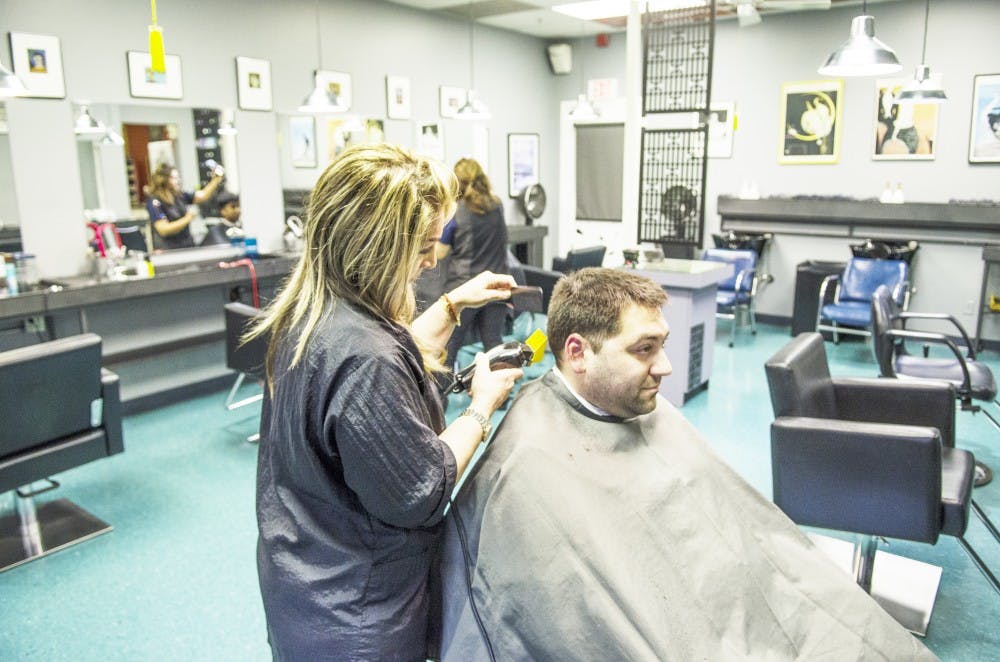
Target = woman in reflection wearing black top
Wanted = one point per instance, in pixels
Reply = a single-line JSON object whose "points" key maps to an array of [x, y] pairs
{"points": [[170, 209]]}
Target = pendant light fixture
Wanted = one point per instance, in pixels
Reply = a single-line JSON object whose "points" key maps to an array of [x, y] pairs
{"points": [[862, 54], [922, 88], [473, 109], [321, 99], [88, 127], [583, 110], [157, 52], [10, 84]]}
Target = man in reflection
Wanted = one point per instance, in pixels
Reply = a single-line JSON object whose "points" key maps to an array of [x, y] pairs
{"points": [[599, 525], [171, 210], [227, 227]]}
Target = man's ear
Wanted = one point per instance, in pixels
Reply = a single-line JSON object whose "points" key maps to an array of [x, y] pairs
{"points": [[574, 352]]}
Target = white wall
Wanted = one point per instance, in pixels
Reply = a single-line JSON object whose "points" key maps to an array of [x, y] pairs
{"points": [[367, 38], [750, 66]]}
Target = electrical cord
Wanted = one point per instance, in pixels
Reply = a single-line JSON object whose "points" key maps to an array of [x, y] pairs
{"points": [[460, 527], [248, 263]]}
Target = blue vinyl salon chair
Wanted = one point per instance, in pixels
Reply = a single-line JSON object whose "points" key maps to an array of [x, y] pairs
{"points": [[737, 294], [850, 311]]}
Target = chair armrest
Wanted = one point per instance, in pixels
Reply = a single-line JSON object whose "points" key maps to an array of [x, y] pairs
{"points": [[111, 393], [945, 317], [941, 339], [871, 478], [741, 276], [927, 403], [832, 278]]}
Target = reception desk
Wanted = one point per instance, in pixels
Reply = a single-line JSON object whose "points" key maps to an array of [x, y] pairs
{"points": [[690, 312]]}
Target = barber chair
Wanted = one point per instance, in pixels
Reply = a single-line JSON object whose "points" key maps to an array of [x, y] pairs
{"points": [[850, 311], [246, 358], [870, 456], [579, 258], [738, 293], [544, 279], [972, 380], [60, 410]]}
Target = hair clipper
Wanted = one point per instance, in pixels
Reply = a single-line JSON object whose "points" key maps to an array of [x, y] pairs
{"points": [[513, 354]]}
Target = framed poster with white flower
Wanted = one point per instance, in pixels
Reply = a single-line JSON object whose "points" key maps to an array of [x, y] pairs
{"points": [[810, 122], [37, 61], [253, 83], [397, 98], [144, 82]]}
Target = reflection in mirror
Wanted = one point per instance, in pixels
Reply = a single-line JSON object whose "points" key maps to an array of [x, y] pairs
{"points": [[10, 226], [196, 152]]}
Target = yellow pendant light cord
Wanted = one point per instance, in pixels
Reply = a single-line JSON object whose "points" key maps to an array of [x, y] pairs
{"points": [[157, 54]]}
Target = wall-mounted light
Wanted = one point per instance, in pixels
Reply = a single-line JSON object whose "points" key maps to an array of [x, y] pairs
{"points": [[88, 127], [923, 88], [862, 54], [10, 84]]}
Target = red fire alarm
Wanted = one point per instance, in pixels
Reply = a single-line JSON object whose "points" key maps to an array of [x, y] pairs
{"points": [[602, 40]]}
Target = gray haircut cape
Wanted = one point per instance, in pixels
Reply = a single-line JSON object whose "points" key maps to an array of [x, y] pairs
{"points": [[597, 538]]}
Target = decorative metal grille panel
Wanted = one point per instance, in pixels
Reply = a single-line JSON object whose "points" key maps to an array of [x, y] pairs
{"points": [[696, 354], [677, 68], [671, 189]]}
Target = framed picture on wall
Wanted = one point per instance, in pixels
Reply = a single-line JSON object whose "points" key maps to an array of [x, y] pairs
{"points": [[397, 97], [984, 133], [810, 122], [339, 84], [522, 161], [903, 131], [37, 61], [253, 83], [452, 98], [430, 140], [721, 125], [302, 140], [143, 82]]}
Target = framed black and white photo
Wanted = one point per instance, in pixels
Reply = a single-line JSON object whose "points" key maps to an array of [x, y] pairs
{"points": [[430, 140], [522, 161], [143, 82], [984, 133], [37, 61], [253, 83], [397, 97]]}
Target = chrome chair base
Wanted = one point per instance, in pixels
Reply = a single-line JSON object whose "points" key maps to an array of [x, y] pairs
{"points": [[905, 588], [36, 531]]}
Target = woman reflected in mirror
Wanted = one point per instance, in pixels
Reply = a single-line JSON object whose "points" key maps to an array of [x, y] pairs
{"points": [[172, 209]]}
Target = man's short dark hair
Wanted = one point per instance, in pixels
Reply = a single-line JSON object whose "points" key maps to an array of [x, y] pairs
{"points": [[225, 198], [590, 302]]}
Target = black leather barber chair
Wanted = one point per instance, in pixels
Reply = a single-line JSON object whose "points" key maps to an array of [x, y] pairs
{"points": [[246, 358], [871, 456], [972, 380], [544, 279], [578, 258], [59, 410]]}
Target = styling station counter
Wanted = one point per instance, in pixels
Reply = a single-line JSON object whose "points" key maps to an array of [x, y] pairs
{"points": [[164, 336], [690, 313]]}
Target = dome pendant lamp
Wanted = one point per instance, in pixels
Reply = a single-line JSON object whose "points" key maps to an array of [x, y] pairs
{"points": [[473, 109], [923, 88], [862, 54], [321, 99]]}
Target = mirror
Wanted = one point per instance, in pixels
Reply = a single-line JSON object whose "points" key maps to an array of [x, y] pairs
{"points": [[10, 226], [116, 173]]}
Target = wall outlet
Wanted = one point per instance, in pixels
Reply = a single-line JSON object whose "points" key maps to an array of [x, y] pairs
{"points": [[970, 307], [34, 325]]}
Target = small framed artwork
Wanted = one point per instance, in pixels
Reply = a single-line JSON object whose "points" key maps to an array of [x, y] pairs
{"points": [[810, 122], [452, 98], [146, 83], [302, 140], [903, 131], [37, 61], [522, 161], [430, 140], [339, 84], [721, 125], [984, 133], [397, 97], [253, 83]]}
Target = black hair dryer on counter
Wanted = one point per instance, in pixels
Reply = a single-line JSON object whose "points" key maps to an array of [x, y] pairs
{"points": [[513, 354]]}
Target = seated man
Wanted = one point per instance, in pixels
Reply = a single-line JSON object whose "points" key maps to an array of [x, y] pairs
{"points": [[228, 226], [600, 526]]}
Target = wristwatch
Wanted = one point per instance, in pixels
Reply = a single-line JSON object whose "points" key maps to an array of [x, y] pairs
{"points": [[484, 422]]}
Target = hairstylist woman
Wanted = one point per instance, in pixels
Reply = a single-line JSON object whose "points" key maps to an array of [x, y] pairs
{"points": [[170, 210], [356, 466]]}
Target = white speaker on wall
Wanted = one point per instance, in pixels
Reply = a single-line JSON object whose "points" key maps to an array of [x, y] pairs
{"points": [[560, 58]]}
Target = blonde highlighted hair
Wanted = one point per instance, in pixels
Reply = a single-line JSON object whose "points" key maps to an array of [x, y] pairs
{"points": [[474, 187], [367, 219]]}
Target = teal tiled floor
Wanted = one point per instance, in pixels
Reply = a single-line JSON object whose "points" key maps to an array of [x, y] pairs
{"points": [[176, 579]]}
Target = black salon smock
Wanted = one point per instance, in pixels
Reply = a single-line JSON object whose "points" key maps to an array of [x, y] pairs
{"points": [[352, 483], [159, 210]]}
